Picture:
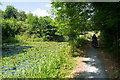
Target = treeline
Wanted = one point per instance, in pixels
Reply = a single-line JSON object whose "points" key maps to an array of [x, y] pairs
{"points": [[19, 26]]}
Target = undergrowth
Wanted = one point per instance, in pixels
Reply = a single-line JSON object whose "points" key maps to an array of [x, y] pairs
{"points": [[42, 60]]}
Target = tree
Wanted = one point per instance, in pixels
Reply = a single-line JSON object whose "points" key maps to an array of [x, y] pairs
{"points": [[33, 21], [21, 16], [10, 27], [2, 14], [106, 19], [72, 18], [10, 12], [46, 29]]}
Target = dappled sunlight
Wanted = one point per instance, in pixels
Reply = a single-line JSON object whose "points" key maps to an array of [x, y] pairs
{"points": [[93, 67], [64, 39]]}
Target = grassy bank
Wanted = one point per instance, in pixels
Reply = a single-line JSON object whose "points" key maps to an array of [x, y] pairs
{"points": [[37, 60]]}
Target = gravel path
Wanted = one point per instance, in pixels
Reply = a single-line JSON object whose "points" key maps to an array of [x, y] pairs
{"points": [[93, 67]]}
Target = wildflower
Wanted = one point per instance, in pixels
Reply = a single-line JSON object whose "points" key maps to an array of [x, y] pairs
{"points": [[13, 72], [14, 61], [26, 59], [6, 69]]}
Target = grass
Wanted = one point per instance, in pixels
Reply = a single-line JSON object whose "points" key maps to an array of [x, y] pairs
{"points": [[37, 60]]}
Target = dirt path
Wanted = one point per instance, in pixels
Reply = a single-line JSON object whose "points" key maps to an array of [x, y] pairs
{"points": [[90, 66]]}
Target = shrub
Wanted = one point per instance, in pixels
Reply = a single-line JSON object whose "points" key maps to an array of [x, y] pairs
{"points": [[9, 40]]}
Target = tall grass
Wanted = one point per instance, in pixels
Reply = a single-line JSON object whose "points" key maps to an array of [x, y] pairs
{"points": [[46, 60]]}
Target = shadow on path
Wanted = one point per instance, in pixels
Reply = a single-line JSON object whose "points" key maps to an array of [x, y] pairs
{"points": [[93, 67]]}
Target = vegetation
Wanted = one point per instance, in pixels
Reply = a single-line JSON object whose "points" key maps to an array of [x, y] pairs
{"points": [[37, 60], [73, 20], [16, 24]]}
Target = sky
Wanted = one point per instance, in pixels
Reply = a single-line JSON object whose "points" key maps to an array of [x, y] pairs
{"points": [[39, 8]]}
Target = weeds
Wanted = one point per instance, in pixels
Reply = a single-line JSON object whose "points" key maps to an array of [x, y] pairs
{"points": [[42, 60]]}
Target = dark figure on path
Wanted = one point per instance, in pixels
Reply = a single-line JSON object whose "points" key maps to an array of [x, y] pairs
{"points": [[94, 41]]}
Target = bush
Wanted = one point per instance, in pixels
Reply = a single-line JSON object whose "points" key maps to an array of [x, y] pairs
{"points": [[38, 39], [21, 38], [76, 44], [9, 40], [81, 42]]}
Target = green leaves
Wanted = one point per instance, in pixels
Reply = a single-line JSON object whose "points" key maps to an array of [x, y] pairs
{"points": [[10, 12], [23, 27], [43, 60], [9, 27], [21, 16], [71, 16]]}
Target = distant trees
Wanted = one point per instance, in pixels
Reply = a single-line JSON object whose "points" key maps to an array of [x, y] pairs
{"points": [[19, 23]]}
